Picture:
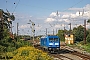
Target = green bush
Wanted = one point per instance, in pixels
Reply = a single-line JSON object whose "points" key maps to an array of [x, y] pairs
{"points": [[10, 49], [88, 38], [25, 53], [2, 48], [29, 53], [9, 45], [22, 43]]}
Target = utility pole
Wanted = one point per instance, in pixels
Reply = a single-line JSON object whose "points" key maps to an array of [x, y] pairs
{"points": [[33, 30], [53, 31], [70, 27], [64, 28], [46, 31], [56, 31], [17, 29], [64, 31], [84, 28], [57, 18], [84, 31]]}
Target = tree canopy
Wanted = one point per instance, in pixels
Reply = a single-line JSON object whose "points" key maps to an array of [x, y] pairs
{"points": [[79, 33], [5, 20]]}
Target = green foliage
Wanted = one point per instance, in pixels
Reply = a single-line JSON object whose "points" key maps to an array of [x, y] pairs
{"points": [[29, 53], [88, 38], [11, 45], [12, 17], [85, 47], [22, 43], [25, 53], [79, 33], [74, 30], [9, 48], [2, 48], [61, 35], [88, 21], [4, 23]]}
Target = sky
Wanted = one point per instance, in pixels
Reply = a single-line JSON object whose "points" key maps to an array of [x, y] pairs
{"points": [[44, 14]]}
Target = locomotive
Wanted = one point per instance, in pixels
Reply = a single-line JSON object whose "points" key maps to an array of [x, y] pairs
{"points": [[50, 43]]}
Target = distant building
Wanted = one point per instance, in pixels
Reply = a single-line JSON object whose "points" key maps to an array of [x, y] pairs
{"points": [[69, 39]]}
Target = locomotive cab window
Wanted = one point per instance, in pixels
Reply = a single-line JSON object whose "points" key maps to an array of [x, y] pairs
{"points": [[51, 39], [55, 39]]}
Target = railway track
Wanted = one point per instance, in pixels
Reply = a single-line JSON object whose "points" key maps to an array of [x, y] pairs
{"points": [[64, 50], [79, 54], [56, 55], [61, 57], [83, 56]]}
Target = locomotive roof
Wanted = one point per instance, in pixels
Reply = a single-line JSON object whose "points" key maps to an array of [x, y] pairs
{"points": [[49, 36]]}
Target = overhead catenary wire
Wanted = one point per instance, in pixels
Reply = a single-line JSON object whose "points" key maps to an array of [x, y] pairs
{"points": [[48, 8], [43, 7], [6, 4], [76, 3], [13, 7], [16, 6], [73, 5]]}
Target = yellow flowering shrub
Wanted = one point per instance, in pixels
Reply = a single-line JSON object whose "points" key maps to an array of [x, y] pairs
{"points": [[30, 53]]}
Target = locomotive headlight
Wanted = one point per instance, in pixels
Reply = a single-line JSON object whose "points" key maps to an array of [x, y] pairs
{"points": [[51, 44], [56, 43]]}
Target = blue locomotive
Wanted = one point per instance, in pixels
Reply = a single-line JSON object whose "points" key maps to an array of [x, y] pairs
{"points": [[50, 43]]}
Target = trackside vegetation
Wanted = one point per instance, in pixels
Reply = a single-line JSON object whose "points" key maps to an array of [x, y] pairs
{"points": [[28, 53]]}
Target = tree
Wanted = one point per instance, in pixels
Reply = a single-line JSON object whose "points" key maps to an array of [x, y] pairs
{"points": [[79, 33], [88, 21], [88, 36], [5, 23], [61, 35]]}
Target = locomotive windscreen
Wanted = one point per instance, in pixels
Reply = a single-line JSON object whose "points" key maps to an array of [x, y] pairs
{"points": [[53, 39]]}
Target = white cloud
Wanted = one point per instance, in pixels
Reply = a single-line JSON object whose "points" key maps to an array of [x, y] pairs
{"points": [[57, 26], [78, 14], [66, 20], [38, 27], [65, 16], [53, 14], [73, 15], [87, 7], [50, 19], [23, 26], [75, 9]]}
